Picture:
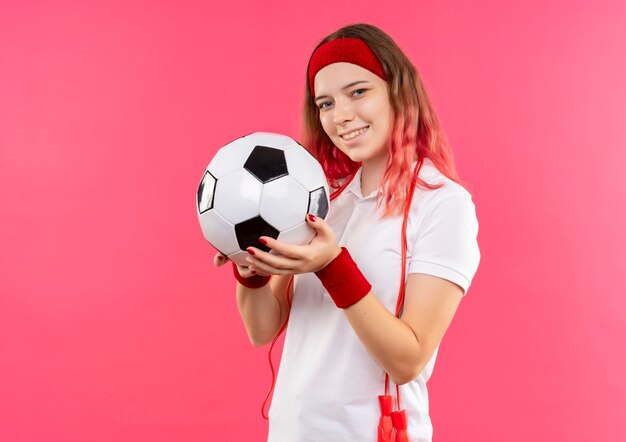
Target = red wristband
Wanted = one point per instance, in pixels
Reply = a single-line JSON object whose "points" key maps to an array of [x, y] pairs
{"points": [[253, 282], [343, 280]]}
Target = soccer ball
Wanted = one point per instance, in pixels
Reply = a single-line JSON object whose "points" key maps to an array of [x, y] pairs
{"points": [[262, 184]]}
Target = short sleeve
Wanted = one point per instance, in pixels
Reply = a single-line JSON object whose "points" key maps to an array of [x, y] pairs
{"points": [[446, 244]]}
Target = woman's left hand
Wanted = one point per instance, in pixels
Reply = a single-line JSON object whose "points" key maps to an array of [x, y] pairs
{"points": [[296, 259]]}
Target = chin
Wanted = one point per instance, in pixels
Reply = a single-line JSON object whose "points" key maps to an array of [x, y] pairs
{"points": [[357, 158]]}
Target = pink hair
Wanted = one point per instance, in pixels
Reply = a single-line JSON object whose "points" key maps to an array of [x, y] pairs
{"points": [[416, 131]]}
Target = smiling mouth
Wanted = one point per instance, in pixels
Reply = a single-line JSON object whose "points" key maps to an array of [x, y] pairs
{"points": [[354, 134]]}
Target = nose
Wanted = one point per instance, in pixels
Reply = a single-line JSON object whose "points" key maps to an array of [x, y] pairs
{"points": [[343, 112]]}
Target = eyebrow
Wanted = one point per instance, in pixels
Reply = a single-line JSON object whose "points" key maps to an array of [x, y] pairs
{"points": [[343, 88]]}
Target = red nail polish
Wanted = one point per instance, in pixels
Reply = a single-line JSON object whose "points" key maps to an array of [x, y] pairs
{"points": [[250, 251], [263, 241], [312, 218], [219, 258]]}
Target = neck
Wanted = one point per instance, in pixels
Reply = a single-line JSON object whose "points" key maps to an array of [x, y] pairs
{"points": [[371, 174]]}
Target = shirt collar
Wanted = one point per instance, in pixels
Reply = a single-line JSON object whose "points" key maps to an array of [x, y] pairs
{"points": [[355, 184]]}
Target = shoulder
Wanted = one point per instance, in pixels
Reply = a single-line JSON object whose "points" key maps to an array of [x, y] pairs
{"points": [[425, 200], [442, 235]]}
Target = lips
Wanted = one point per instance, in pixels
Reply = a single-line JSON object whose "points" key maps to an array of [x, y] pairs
{"points": [[347, 136]]}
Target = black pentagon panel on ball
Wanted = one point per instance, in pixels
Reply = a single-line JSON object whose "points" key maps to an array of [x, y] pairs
{"points": [[266, 163], [318, 203], [248, 233], [206, 192]]}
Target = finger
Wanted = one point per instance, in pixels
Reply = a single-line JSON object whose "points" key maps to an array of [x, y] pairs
{"points": [[245, 272], [219, 259], [273, 261], [317, 223], [263, 268], [292, 251], [322, 228]]}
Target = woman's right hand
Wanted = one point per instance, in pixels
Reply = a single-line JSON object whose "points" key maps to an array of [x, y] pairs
{"points": [[219, 260]]}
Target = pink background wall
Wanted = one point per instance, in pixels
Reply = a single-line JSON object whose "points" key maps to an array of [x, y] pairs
{"points": [[114, 325]]}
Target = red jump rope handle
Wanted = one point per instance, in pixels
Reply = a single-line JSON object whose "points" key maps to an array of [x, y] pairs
{"points": [[385, 424], [400, 423]]}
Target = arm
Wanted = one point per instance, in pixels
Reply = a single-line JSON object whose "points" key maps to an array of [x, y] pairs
{"points": [[403, 346], [264, 309], [446, 246]]}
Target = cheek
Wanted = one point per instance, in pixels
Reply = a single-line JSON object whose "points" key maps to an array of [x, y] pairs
{"points": [[326, 123], [386, 116], [390, 121], [377, 111]]}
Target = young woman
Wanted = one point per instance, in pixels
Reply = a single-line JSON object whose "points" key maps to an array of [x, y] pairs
{"points": [[376, 289]]}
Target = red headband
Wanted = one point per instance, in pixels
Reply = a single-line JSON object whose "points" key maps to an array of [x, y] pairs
{"points": [[346, 50]]}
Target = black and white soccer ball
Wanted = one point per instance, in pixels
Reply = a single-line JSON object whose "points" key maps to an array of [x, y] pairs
{"points": [[263, 184]]}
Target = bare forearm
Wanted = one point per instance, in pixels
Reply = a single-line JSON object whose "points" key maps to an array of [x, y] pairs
{"points": [[260, 312], [388, 339]]}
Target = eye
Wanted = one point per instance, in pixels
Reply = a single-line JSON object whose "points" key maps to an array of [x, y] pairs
{"points": [[325, 104], [358, 92]]}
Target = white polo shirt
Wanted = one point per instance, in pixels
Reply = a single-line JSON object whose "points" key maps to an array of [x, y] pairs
{"points": [[328, 384]]}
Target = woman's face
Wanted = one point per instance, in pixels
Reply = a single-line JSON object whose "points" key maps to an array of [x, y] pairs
{"points": [[354, 110]]}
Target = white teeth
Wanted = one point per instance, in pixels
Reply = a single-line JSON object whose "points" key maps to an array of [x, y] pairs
{"points": [[354, 134]]}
